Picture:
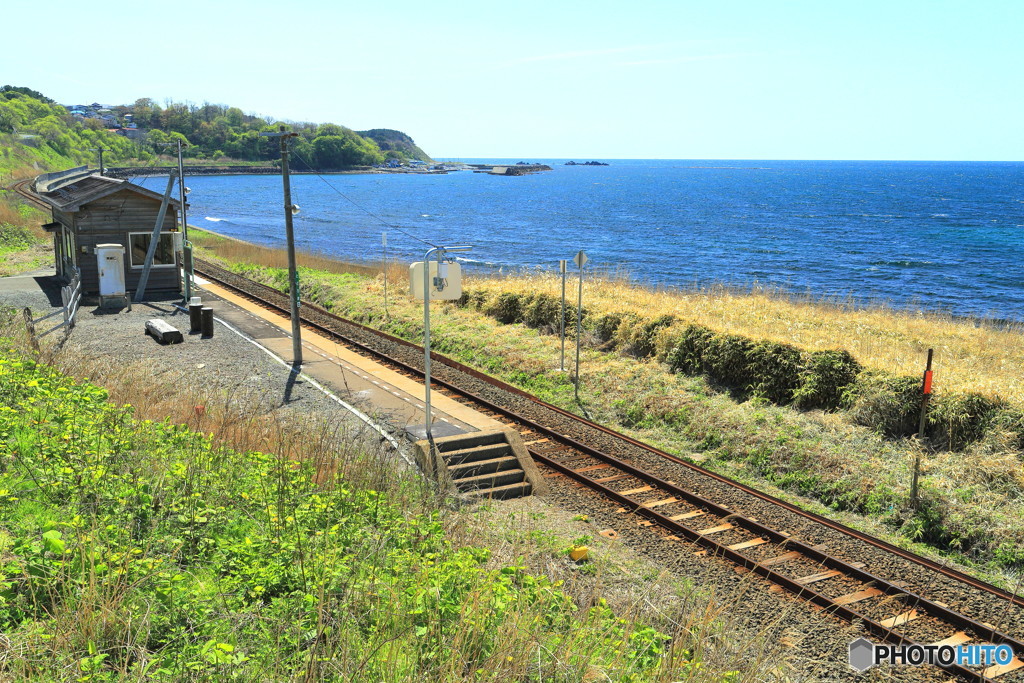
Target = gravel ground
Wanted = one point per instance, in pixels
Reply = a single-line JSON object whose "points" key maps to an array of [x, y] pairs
{"points": [[226, 368]]}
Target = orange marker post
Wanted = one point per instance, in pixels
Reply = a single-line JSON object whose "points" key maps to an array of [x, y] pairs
{"points": [[926, 395]]}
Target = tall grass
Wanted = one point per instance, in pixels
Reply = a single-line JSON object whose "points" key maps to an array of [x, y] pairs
{"points": [[230, 250], [970, 355]]}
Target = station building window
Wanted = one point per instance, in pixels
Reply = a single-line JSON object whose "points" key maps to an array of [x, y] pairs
{"points": [[139, 245]]}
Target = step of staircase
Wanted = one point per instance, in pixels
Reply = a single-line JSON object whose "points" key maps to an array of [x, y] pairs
{"points": [[481, 464], [474, 467], [508, 492]]}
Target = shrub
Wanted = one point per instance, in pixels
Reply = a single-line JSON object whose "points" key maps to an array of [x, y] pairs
{"points": [[639, 335], [687, 354], [774, 371], [507, 308], [886, 403], [543, 312], [823, 379], [726, 359], [956, 420], [606, 326]]}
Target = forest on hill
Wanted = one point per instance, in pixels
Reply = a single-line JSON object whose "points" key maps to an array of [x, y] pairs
{"points": [[37, 132]]}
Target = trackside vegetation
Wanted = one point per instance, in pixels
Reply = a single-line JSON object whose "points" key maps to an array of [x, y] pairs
{"points": [[135, 549], [711, 376]]}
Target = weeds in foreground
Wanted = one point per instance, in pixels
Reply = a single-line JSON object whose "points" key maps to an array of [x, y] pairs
{"points": [[143, 549]]}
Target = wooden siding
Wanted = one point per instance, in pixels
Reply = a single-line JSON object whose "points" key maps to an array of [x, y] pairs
{"points": [[161, 278], [123, 211]]}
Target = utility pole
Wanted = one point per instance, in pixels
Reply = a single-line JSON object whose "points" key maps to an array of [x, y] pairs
{"points": [[293, 273], [185, 244], [101, 150]]}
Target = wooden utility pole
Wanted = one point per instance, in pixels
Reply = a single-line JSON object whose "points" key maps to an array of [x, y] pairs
{"points": [[293, 273]]}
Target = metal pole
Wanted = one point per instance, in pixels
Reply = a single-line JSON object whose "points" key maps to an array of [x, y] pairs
{"points": [[293, 274], [426, 330], [384, 243], [561, 322], [579, 329], [184, 226]]}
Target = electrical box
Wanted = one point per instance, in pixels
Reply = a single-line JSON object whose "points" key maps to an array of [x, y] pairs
{"points": [[178, 241], [444, 284], [110, 260]]}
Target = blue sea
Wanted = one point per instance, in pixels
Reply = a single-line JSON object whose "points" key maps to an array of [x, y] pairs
{"points": [[940, 236]]}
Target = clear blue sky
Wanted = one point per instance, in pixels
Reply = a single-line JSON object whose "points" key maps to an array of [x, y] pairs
{"points": [[812, 79]]}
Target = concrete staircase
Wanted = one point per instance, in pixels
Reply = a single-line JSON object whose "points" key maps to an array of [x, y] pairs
{"points": [[482, 464]]}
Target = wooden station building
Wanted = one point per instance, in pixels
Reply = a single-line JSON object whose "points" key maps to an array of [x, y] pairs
{"points": [[90, 210]]}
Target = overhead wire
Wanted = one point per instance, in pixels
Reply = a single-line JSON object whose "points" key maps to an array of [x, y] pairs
{"points": [[361, 208]]}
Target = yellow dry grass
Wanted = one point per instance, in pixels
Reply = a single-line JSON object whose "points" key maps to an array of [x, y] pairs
{"points": [[237, 251], [970, 355]]}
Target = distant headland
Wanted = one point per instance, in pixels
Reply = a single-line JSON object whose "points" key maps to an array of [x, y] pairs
{"points": [[586, 163]]}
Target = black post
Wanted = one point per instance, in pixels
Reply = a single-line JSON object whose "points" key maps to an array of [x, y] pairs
{"points": [[207, 323], [926, 391], [195, 317]]}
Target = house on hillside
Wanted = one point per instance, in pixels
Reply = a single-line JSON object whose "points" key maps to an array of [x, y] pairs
{"points": [[90, 210]]}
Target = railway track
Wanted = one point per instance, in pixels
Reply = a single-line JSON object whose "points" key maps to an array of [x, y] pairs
{"points": [[708, 514]]}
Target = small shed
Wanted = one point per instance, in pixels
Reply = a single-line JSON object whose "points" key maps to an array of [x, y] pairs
{"points": [[90, 209]]}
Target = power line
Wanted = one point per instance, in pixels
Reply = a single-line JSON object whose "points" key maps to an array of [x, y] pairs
{"points": [[366, 211]]}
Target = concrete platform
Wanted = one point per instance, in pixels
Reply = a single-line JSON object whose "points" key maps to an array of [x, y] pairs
{"points": [[399, 399]]}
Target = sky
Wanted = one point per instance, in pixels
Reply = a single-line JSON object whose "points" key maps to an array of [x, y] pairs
{"points": [[552, 79]]}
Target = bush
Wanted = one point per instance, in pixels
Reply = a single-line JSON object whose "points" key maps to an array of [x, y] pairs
{"points": [[886, 403], [956, 420], [543, 312], [638, 335], [774, 371], [606, 326], [507, 308], [687, 354], [726, 359], [823, 379]]}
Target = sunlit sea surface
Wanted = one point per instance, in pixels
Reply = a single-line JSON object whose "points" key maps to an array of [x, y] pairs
{"points": [[945, 236]]}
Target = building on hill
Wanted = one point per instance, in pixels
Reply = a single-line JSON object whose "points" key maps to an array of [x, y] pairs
{"points": [[90, 210]]}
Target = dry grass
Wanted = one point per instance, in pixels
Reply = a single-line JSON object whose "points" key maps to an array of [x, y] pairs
{"points": [[970, 355], [232, 250]]}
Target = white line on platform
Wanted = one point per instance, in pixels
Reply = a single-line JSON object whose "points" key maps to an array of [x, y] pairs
{"points": [[366, 419]]}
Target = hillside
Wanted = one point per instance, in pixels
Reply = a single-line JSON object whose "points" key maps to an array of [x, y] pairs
{"points": [[396, 143], [37, 134]]}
